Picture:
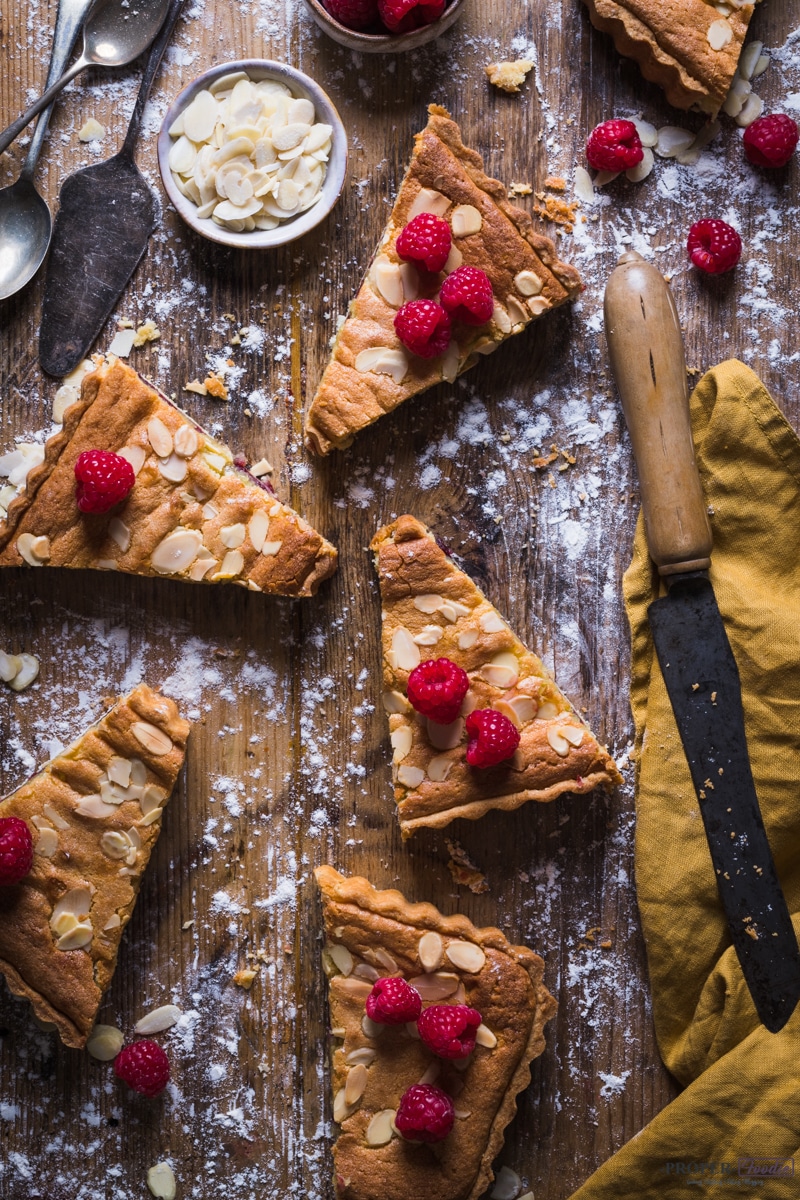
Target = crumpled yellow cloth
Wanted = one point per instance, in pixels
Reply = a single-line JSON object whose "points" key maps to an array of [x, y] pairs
{"points": [[742, 1084]]}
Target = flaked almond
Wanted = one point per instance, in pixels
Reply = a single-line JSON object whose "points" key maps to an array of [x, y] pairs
{"points": [[519, 710], [401, 740], [501, 318], [173, 468], [450, 361], [430, 951], [404, 654], [455, 259], [161, 1181], [507, 1185], [26, 547], [557, 741], [105, 1042], [383, 360], [54, 816], [466, 220], [232, 536], [546, 711], [119, 770], [517, 311], [445, 737], [159, 1019], [78, 937], [370, 1028], [428, 200], [528, 283], [358, 989], [572, 733], [451, 610], [395, 702], [355, 1084], [432, 1074], [76, 902], [231, 565], [439, 768], [186, 441], [113, 922], [341, 1110], [410, 277], [429, 635], [466, 956], [410, 777], [159, 437], [435, 986], [380, 1130], [385, 959], [10, 665], [429, 602], [364, 1057], [119, 532], [342, 958], [257, 530], [502, 671], [135, 455], [538, 305], [366, 971], [271, 549], [176, 552], [46, 843], [467, 639], [115, 844], [388, 281], [152, 738], [151, 799], [93, 806], [719, 34], [28, 670], [491, 622]]}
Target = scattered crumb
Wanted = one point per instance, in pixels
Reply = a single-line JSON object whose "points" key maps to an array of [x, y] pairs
{"points": [[555, 184], [197, 387], [244, 979], [560, 212], [262, 467], [519, 189], [91, 131], [509, 76], [148, 331], [215, 387], [463, 869]]}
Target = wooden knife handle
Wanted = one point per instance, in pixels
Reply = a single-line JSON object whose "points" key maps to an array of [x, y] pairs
{"points": [[647, 358]]}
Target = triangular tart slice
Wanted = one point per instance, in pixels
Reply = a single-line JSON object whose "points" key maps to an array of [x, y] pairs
{"points": [[431, 609], [370, 372], [193, 513], [691, 48], [447, 960], [95, 816]]}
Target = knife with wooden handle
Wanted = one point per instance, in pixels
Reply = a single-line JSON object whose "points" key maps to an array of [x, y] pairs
{"points": [[700, 672]]}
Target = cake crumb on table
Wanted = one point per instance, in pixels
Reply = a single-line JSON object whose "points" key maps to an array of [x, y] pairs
{"points": [[509, 76]]}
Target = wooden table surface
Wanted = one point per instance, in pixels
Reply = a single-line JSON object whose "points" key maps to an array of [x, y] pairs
{"points": [[288, 763]]}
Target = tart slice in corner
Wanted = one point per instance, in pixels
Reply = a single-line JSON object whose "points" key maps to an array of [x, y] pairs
{"points": [[95, 815], [432, 610], [192, 513], [370, 371], [444, 961], [690, 49]]}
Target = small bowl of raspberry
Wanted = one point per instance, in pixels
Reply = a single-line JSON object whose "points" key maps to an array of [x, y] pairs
{"points": [[385, 26]]}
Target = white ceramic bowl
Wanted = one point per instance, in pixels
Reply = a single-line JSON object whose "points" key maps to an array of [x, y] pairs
{"points": [[383, 43], [302, 87]]}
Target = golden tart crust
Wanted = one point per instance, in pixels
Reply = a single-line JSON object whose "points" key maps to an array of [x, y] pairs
{"points": [[669, 40], [431, 609], [186, 482], [83, 844], [505, 985], [348, 398]]}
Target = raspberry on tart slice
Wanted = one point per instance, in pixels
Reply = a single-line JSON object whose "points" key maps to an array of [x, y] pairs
{"points": [[94, 813], [424, 328], [467, 295], [164, 498], [373, 368], [392, 1087], [437, 688], [393, 1002], [514, 736], [16, 851]]}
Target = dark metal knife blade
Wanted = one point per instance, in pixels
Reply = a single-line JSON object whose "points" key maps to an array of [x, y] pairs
{"points": [[698, 666]]}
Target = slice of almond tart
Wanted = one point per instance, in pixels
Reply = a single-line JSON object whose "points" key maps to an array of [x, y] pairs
{"points": [[372, 934], [192, 514], [691, 48], [370, 372], [433, 610], [95, 815]]}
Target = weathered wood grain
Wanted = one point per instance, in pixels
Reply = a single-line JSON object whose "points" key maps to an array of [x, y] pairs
{"points": [[288, 761]]}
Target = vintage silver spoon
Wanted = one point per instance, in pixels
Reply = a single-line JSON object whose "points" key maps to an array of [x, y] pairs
{"points": [[116, 32], [25, 222]]}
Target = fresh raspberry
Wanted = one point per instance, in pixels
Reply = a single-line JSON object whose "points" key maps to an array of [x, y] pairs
{"points": [[614, 146], [355, 14], [103, 480], [437, 688], [467, 295], [426, 1114], [449, 1029], [144, 1067], [771, 141], [401, 16], [425, 240], [491, 738], [393, 1002], [423, 327], [714, 246], [16, 850]]}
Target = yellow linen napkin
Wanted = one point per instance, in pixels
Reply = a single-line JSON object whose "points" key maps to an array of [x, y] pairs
{"points": [[741, 1103]]}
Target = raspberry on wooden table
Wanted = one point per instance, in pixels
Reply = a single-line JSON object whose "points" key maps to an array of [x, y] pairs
{"points": [[426, 1114], [16, 850], [103, 480], [401, 16], [468, 296], [614, 146], [437, 688], [423, 327], [449, 1029], [355, 14], [491, 738], [771, 141], [425, 240], [392, 1001], [143, 1066], [714, 246]]}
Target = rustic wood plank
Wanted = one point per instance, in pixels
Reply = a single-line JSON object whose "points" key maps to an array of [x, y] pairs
{"points": [[288, 761]]}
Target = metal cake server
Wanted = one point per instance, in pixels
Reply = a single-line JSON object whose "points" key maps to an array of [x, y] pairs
{"points": [[700, 672]]}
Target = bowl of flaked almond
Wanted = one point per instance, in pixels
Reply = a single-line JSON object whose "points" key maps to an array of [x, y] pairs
{"points": [[253, 154]]}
